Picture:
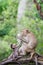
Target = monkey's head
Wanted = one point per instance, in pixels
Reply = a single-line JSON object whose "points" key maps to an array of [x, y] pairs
{"points": [[25, 32], [13, 46]]}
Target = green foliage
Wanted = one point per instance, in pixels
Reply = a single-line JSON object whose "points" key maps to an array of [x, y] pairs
{"points": [[8, 20], [4, 49], [3, 5], [5, 29], [8, 13]]}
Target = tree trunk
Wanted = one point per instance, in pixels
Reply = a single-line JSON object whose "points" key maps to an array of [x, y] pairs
{"points": [[20, 14]]}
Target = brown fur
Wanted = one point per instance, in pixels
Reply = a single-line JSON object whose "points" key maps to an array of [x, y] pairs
{"points": [[29, 42]]}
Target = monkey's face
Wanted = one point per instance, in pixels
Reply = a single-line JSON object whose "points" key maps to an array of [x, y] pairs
{"points": [[25, 32], [13, 46]]}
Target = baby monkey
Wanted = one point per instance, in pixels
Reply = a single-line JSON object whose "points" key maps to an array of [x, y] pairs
{"points": [[14, 55]]}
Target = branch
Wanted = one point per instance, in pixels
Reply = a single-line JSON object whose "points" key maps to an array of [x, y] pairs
{"points": [[23, 60]]}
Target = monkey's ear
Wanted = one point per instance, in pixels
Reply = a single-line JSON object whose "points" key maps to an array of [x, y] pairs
{"points": [[27, 31]]}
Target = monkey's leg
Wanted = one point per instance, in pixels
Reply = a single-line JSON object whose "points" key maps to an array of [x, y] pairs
{"points": [[31, 53], [22, 51]]}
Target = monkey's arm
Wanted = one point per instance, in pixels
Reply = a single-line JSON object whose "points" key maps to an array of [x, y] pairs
{"points": [[23, 40]]}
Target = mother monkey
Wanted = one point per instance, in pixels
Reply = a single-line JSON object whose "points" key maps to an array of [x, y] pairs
{"points": [[27, 42]]}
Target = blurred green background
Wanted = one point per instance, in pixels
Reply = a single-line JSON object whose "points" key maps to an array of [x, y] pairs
{"points": [[8, 25]]}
